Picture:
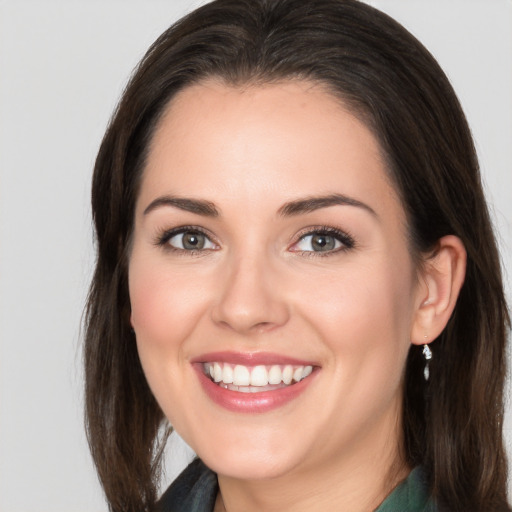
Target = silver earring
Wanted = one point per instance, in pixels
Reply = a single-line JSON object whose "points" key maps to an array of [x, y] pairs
{"points": [[427, 354]]}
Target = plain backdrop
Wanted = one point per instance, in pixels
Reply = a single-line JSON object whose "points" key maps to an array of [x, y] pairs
{"points": [[63, 65]]}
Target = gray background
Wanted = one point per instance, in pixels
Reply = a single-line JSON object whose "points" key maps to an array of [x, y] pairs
{"points": [[63, 65]]}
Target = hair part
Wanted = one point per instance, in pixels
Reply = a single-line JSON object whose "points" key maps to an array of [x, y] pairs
{"points": [[453, 424]]}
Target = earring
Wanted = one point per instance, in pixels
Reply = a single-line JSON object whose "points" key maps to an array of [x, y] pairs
{"points": [[427, 354]]}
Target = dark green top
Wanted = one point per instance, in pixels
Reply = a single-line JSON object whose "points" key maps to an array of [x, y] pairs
{"points": [[410, 496], [195, 490]]}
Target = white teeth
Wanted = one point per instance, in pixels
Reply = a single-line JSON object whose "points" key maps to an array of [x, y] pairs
{"points": [[255, 379], [227, 374], [259, 376], [275, 375], [217, 372], [241, 376], [287, 374], [250, 389]]}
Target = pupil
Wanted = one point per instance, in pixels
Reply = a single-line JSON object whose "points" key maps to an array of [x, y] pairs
{"points": [[322, 242], [193, 241]]}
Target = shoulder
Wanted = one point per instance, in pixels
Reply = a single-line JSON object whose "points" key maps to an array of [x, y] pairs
{"points": [[195, 490], [412, 495]]}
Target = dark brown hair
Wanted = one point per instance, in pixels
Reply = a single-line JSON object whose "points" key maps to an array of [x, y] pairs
{"points": [[453, 425]]}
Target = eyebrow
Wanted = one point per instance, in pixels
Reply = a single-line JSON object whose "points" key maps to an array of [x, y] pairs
{"points": [[310, 204], [297, 207], [205, 208]]}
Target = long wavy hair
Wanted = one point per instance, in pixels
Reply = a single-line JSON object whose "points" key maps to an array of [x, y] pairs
{"points": [[452, 425]]}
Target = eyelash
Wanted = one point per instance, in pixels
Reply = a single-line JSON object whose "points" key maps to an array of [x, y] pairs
{"points": [[343, 237], [162, 240]]}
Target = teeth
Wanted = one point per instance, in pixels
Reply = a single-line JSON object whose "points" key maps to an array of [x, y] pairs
{"points": [[287, 374], [227, 374], [258, 378], [217, 372], [241, 375], [275, 375]]}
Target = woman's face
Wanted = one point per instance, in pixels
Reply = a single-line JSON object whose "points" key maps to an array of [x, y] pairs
{"points": [[270, 248]]}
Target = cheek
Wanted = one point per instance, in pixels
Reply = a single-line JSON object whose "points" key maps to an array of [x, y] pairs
{"points": [[165, 305], [365, 313]]}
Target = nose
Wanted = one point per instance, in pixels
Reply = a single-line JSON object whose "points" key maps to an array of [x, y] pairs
{"points": [[251, 299]]}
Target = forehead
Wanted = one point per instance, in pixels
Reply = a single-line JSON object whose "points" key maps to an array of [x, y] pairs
{"points": [[263, 141]]}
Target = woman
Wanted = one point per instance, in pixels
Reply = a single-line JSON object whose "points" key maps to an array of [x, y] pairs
{"points": [[296, 270]]}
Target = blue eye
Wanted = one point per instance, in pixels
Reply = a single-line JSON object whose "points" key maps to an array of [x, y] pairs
{"points": [[188, 240], [323, 241]]}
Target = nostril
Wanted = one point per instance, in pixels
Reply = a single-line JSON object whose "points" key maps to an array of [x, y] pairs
{"points": [[249, 299]]}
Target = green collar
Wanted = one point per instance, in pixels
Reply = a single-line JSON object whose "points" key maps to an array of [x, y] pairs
{"points": [[410, 496]]}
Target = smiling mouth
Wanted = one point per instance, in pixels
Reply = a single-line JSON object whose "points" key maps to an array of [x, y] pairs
{"points": [[255, 379]]}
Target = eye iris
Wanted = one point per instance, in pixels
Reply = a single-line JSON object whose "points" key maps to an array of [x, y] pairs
{"points": [[192, 240], [322, 242]]}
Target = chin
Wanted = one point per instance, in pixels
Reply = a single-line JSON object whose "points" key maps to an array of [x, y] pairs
{"points": [[243, 466], [252, 458]]}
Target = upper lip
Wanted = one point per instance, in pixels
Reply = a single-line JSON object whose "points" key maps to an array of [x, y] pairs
{"points": [[251, 358]]}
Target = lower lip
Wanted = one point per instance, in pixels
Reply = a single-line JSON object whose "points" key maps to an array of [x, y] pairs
{"points": [[237, 401]]}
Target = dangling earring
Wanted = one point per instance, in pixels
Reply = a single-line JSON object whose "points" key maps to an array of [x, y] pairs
{"points": [[427, 354]]}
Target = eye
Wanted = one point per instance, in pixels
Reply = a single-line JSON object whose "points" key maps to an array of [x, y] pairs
{"points": [[325, 240], [188, 240], [318, 242]]}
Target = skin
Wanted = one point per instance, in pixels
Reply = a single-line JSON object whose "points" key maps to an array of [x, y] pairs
{"points": [[259, 287]]}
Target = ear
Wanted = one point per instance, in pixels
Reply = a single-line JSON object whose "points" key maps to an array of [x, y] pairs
{"points": [[441, 279]]}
